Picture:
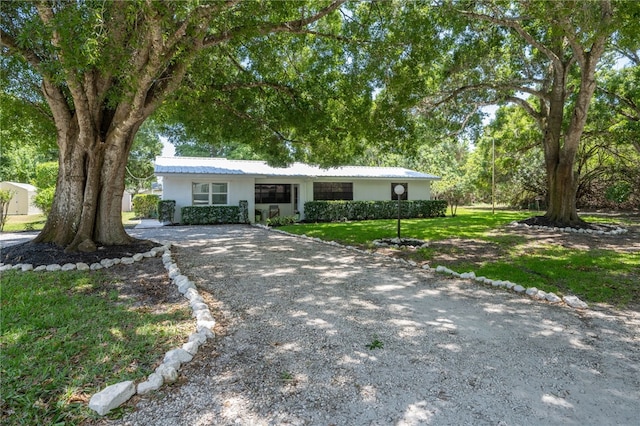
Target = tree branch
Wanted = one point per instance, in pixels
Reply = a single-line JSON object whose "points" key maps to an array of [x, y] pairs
{"points": [[80, 100], [295, 26], [10, 43], [249, 117], [514, 23], [254, 84], [627, 101], [528, 108]]}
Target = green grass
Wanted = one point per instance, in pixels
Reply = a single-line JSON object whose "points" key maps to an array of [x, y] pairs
{"points": [[594, 275], [468, 224], [65, 336], [129, 219], [20, 223]]}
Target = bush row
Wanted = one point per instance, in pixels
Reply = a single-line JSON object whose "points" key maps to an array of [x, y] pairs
{"points": [[210, 215], [333, 211], [281, 221]]}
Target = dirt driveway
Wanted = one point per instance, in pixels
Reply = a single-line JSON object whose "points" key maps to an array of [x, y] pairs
{"points": [[314, 334]]}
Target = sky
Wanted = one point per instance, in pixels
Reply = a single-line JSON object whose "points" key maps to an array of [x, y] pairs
{"points": [[168, 150]]}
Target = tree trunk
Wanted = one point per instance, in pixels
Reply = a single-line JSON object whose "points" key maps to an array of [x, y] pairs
{"points": [[559, 155], [87, 207], [562, 187]]}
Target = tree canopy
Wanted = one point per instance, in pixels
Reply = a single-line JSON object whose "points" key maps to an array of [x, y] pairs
{"points": [[324, 82], [103, 68]]}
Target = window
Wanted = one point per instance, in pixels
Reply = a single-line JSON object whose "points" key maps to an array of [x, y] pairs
{"points": [[405, 194], [206, 194], [332, 191], [268, 193]]}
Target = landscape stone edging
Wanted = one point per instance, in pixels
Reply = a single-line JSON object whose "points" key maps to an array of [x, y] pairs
{"points": [[532, 292], [167, 372], [616, 231], [117, 394]]}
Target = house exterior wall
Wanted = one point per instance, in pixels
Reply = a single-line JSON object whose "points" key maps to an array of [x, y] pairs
{"points": [[178, 188], [380, 190]]}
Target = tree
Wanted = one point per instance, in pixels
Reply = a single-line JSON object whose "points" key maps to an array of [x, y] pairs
{"points": [[541, 56], [104, 67], [27, 135], [5, 198], [518, 161], [45, 181]]}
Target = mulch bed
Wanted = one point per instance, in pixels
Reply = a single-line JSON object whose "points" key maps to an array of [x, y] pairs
{"points": [[543, 221], [48, 253]]}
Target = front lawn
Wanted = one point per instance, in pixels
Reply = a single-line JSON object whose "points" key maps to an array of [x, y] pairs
{"points": [[596, 275], [20, 223], [67, 335], [469, 223]]}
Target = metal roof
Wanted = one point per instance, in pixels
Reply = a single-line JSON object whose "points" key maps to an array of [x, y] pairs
{"points": [[223, 166], [20, 185]]}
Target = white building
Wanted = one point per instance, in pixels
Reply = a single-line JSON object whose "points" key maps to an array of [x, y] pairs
{"points": [[22, 200], [217, 181]]}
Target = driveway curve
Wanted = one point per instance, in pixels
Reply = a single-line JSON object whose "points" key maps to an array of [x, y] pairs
{"points": [[316, 334]]}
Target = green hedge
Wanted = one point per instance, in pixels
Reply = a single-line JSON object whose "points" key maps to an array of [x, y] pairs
{"points": [[210, 215], [146, 205], [166, 210], [281, 221], [334, 211]]}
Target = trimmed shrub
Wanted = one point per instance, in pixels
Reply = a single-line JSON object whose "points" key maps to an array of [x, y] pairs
{"points": [[210, 215], [281, 221], [335, 211], [146, 205], [166, 210]]}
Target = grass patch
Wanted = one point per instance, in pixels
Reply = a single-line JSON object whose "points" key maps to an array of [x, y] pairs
{"points": [[594, 275], [468, 224], [19, 223], [65, 336], [129, 219]]}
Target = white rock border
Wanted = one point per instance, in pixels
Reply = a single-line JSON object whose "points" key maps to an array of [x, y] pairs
{"points": [[534, 293], [167, 372], [117, 394], [616, 231]]}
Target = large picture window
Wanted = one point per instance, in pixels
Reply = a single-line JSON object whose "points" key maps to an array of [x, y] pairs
{"points": [[405, 194], [332, 191], [271, 193], [208, 193]]}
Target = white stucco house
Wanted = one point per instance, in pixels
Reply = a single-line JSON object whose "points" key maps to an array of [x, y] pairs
{"points": [[218, 181]]}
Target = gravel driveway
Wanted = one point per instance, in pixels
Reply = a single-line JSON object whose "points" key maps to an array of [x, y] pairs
{"points": [[316, 334]]}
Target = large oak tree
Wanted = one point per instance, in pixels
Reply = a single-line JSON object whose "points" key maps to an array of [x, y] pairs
{"points": [[540, 55], [103, 67]]}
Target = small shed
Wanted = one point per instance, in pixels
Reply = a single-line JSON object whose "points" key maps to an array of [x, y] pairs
{"points": [[23, 195]]}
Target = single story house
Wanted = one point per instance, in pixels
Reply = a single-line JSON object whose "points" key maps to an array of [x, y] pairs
{"points": [[23, 195], [283, 191]]}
